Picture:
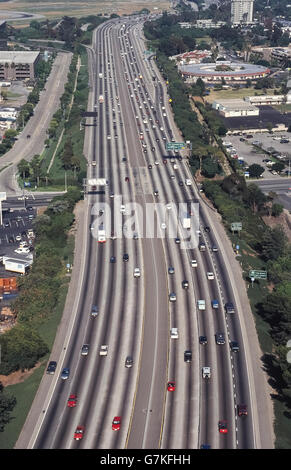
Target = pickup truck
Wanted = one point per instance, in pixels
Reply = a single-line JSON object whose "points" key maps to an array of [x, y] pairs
{"points": [[201, 304], [103, 350], [136, 272], [206, 372], [174, 333]]}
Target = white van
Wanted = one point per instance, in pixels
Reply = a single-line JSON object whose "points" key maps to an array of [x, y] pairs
{"points": [[174, 333]]}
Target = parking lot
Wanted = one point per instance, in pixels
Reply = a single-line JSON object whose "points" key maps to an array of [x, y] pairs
{"points": [[252, 154], [13, 231]]}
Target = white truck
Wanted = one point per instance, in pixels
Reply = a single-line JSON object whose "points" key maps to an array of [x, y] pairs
{"points": [[103, 350], [206, 372], [101, 234], [15, 265], [186, 221], [101, 99], [201, 304]]}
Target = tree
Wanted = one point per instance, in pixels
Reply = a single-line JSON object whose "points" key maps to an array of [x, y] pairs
{"points": [[277, 209], [6, 406], [67, 154], [23, 168], [35, 165], [256, 170], [273, 244], [279, 166], [254, 198]]}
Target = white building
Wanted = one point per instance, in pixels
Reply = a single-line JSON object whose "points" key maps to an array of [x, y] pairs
{"points": [[241, 11], [235, 108], [209, 24], [268, 99]]}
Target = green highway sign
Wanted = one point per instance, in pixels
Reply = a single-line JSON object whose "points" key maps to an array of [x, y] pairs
{"points": [[258, 274], [175, 145], [236, 226]]}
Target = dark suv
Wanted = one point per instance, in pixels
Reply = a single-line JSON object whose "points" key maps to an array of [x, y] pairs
{"points": [[229, 307], [187, 356], [220, 338], [51, 368]]}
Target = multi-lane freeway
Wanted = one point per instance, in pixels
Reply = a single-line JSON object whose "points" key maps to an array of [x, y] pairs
{"points": [[126, 145]]}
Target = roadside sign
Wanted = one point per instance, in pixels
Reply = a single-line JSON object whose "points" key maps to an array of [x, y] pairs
{"points": [[236, 226], [258, 274], [175, 145]]}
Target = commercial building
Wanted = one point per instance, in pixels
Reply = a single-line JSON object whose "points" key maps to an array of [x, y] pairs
{"points": [[209, 24], [231, 72], [235, 108], [18, 65], [191, 57], [262, 100], [241, 12]]}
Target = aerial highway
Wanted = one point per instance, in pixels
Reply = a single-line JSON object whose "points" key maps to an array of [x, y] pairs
{"points": [[162, 400]]}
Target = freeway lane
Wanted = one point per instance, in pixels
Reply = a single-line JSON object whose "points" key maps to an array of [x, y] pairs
{"points": [[135, 314]]}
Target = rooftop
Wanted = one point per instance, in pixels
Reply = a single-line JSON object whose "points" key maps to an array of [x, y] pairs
{"points": [[18, 57]]}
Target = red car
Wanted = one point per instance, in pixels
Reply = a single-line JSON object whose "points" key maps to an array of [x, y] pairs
{"points": [[116, 423], [222, 427], [79, 433], [171, 386], [242, 410], [126, 178], [72, 401]]}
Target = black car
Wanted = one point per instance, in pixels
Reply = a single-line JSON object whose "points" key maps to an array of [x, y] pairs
{"points": [[187, 356], [202, 339], [229, 307], [234, 346], [51, 368], [150, 167], [185, 284], [112, 259], [178, 241], [181, 183], [129, 362], [207, 229], [29, 208], [220, 339], [125, 257]]}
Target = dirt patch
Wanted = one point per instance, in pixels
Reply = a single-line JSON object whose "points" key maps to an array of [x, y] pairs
{"points": [[283, 219], [18, 376]]}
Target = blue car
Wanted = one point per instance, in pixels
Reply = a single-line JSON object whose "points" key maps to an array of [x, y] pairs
{"points": [[65, 373], [214, 303]]}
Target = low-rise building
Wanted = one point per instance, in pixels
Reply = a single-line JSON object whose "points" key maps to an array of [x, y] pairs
{"points": [[235, 108], [262, 100]]}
